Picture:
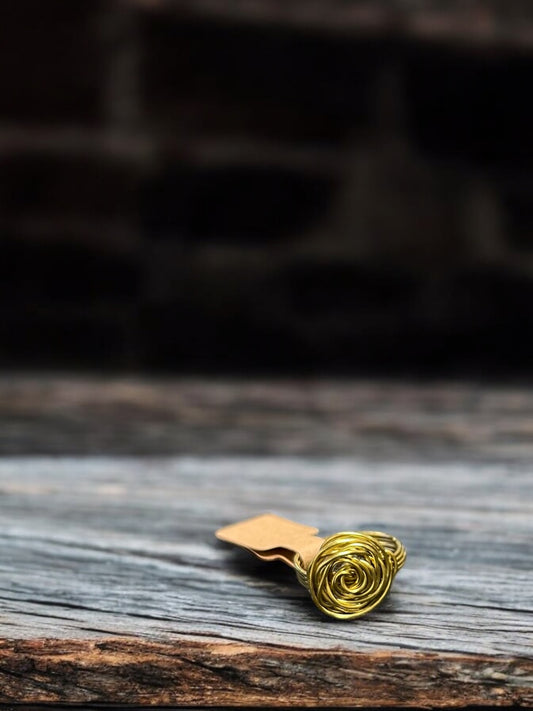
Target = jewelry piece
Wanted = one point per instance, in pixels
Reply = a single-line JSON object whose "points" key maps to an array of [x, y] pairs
{"points": [[347, 574]]}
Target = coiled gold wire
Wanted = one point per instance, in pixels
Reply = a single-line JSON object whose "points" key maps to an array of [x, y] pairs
{"points": [[352, 572]]}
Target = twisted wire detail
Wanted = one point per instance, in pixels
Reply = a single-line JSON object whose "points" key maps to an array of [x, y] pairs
{"points": [[352, 572]]}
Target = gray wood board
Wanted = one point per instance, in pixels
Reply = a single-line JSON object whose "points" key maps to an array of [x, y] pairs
{"points": [[101, 549], [394, 420]]}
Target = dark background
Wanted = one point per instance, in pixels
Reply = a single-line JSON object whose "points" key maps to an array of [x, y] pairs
{"points": [[255, 186]]}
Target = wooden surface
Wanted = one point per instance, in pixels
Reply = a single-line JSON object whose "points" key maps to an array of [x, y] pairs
{"points": [[383, 420], [113, 588]]}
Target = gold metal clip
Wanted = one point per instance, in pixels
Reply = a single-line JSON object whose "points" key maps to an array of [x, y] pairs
{"points": [[347, 574]]}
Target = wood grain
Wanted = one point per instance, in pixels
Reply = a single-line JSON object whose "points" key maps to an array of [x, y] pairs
{"points": [[232, 674], [113, 588], [312, 417]]}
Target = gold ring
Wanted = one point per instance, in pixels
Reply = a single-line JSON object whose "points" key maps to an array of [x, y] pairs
{"points": [[351, 572]]}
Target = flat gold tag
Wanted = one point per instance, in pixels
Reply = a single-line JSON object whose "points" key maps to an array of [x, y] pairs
{"points": [[272, 537]]}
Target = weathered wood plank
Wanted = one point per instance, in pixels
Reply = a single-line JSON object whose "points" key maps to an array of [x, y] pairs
{"points": [[232, 674], [394, 420], [113, 588]]}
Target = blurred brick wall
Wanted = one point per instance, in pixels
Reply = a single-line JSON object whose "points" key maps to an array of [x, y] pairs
{"points": [[233, 185]]}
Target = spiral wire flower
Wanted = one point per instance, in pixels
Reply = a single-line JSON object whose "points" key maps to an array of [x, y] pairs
{"points": [[352, 572]]}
